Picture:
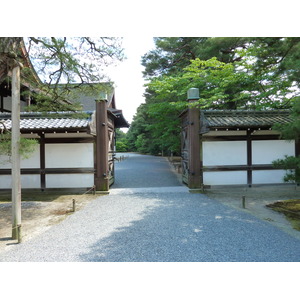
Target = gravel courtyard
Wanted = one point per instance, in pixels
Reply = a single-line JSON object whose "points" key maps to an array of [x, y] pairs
{"points": [[150, 216]]}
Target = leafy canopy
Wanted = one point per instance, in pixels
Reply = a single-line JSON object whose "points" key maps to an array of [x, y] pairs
{"points": [[231, 73]]}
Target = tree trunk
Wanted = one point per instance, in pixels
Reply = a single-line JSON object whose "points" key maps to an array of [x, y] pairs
{"points": [[15, 155]]}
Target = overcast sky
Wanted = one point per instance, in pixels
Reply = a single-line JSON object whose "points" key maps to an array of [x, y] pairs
{"points": [[128, 77]]}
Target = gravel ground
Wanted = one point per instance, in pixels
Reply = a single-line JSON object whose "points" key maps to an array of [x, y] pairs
{"points": [[150, 216]]}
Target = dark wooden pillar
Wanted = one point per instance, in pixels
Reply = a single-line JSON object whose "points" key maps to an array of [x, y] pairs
{"points": [[249, 158], [194, 163], [42, 161], [297, 154], [1, 104], [101, 178]]}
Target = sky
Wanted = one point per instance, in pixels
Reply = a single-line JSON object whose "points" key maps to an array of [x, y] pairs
{"points": [[127, 75]]}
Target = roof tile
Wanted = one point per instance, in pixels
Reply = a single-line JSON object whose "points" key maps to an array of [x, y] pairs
{"points": [[38, 121], [246, 118]]}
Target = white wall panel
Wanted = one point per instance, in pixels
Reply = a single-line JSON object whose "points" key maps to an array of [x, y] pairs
{"points": [[268, 176], [264, 152], [5, 181], [32, 162], [225, 177], [79, 155], [30, 181], [69, 180], [5, 162], [224, 153], [27, 181]]}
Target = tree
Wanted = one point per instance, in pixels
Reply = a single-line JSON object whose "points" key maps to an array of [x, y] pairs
{"points": [[121, 141], [231, 73], [62, 60], [291, 131], [174, 53]]}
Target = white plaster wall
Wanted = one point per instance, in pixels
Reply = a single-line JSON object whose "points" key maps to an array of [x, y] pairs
{"points": [[69, 155], [69, 180], [4, 162], [32, 162], [224, 153], [5, 181], [264, 152], [30, 181], [225, 177], [268, 176], [27, 181]]}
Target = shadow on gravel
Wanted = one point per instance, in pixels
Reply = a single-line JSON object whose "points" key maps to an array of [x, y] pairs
{"points": [[190, 228]]}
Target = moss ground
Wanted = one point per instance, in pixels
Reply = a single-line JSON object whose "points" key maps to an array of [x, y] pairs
{"points": [[291, 210]]}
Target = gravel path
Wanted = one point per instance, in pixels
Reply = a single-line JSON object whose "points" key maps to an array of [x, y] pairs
{"points": [[150, 216]]}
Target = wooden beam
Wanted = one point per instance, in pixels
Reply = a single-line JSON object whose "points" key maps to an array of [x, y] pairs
{"points": [[240, 138]]}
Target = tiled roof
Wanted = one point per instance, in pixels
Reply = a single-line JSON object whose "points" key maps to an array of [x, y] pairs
{"points": [[120, 121], [242, 118], [50, 121]]}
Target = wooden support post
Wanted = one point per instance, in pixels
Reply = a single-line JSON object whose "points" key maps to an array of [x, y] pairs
{"points": [[249, 158], [194, 163], [297, 154], [101, 179], [42, 161], [244, 202], [73, 205], [15, 155]]}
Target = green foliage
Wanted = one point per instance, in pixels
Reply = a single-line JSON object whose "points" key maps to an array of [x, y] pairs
{"points": [[63, 65], [290, 131], [231, 73], [292, 166], [121, 141], [27, 146], [77, 60], [121, 146]]}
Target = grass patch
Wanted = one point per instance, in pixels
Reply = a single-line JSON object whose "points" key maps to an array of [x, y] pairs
{"points": [[291, 210], [38, 195]]}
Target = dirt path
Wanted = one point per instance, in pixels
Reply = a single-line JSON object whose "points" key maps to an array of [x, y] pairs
{"points": [[38, 216]]}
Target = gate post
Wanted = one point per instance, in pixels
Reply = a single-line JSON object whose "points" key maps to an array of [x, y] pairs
{"points": [[194, 161], [101, 179]]}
